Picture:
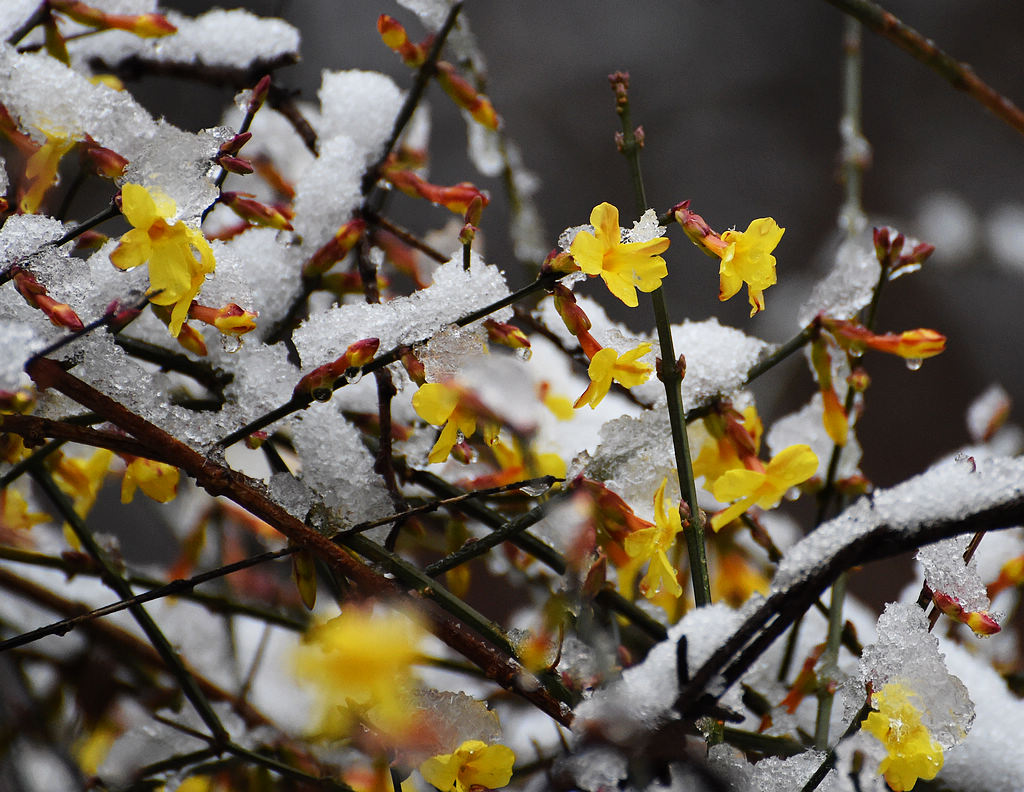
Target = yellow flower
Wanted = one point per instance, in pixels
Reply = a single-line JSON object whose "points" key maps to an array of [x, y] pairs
{"points": [[359, 664], [157, 480], [747, 258], [82, 479], [607, 365], [179, 257], [14, 513], [625, 266], [41, 170], [789, 467], [651, 544], [913, 754], [721, 452], [438, 403], [473, 764]]}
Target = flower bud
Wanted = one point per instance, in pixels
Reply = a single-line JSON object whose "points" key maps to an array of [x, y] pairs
{"points": [[255, 212], [61, 314], [393, 34], [259, 95], [336, 248], [466, 96], [506, 334], [319, 383], [697, 229], [981, 622], [106, 163], [233, 146]]}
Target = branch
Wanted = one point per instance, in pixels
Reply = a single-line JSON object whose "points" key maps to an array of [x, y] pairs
{"points": [[960, 75]]}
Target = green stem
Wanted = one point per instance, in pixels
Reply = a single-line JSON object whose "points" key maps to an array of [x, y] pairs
{"points": [[852, 214], [120, 587], [670, 376]]}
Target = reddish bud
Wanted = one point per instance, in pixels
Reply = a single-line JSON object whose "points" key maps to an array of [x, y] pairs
{"points": [[559, 261], [238, 165], [255, 212], [981, 622], [259, 95], [858, 379], [698, 230], [256, 439], [393, 34], [466, 96], [119, 315], [142, 25], [106, 163], [229, 320], [456, 199], [413, 367], [336, 248], [233, 146], [35, 295], [506, 334], [319, 383]]}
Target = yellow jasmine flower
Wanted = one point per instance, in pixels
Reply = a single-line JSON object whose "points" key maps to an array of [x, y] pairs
{"points": [[624, 266], [607, 365], [651, 544], [913, 754], [179, 257], [439, 403], [360, 666], [747, 258], [157, 480], [474, 764], [789, 467], [728, 437]]}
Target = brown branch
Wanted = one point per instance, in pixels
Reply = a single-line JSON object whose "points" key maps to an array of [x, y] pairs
{"points": [[960, 75], [219, 480]]}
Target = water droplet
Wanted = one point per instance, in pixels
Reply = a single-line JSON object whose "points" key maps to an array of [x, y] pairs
{"points": [[524, 353], [353, 374], [914, 363], [321, 394], [793, 493], [230, 344], [538, 487]]}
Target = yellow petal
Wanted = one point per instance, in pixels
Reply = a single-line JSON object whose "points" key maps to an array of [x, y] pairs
{"points": [[605, 220], [588, 253], [132, 250], [737, 483], [434, 402], [138, 206]]}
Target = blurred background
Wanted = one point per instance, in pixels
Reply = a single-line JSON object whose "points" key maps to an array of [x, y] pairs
{"points": [[740, 104]]}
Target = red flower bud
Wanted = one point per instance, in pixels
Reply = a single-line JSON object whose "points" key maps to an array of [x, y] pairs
{"points": [[336, 248]]}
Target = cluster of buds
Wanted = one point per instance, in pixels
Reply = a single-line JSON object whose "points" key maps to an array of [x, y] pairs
{"points": [[319, 383], [461, 91], [227, 156], [142, 25], [889, 250], [61, 314]]}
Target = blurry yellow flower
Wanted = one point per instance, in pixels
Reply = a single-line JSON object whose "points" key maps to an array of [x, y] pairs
{"points": [[41, 170], [157, 480], [651, 544], [438, 403], [473, 764], [721, 452], [82, 479], [14, 513], [179, 257], [607, 365], [789, 467], [747, 258], [913, 754], [624, 266], [360, 665]]}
